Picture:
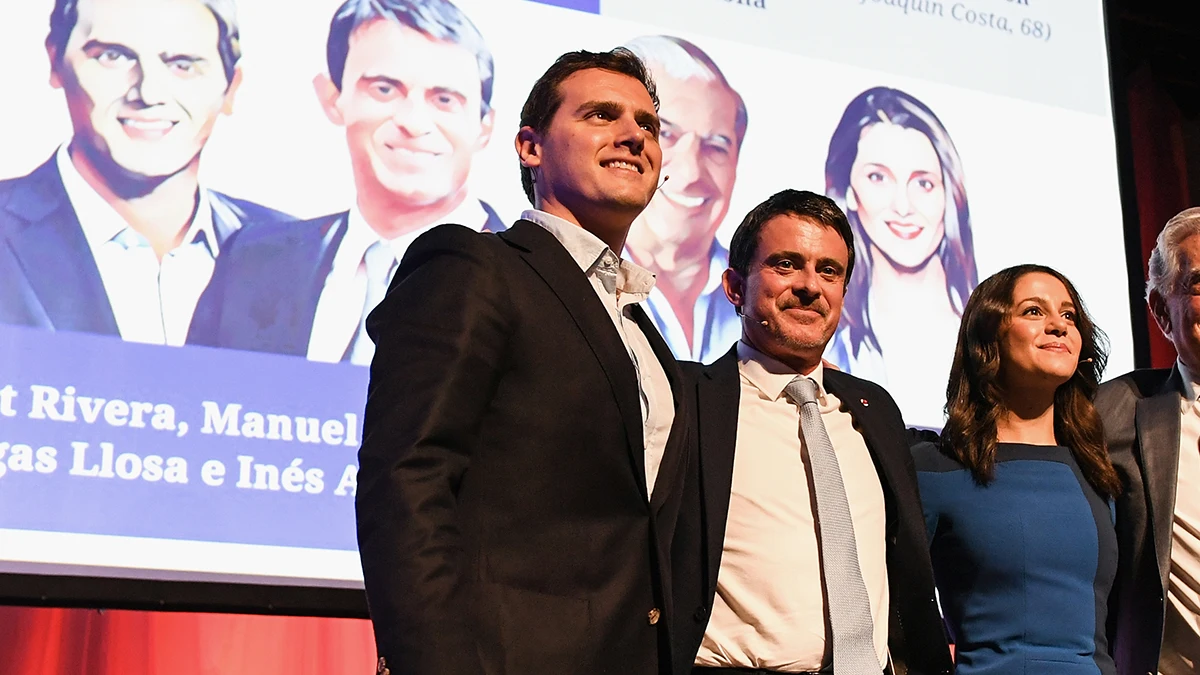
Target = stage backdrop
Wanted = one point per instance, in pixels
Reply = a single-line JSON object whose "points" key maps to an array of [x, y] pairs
{"points": [[191, 186]]}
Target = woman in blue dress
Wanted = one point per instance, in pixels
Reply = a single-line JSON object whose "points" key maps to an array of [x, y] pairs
{"points": [[1018, 493]]}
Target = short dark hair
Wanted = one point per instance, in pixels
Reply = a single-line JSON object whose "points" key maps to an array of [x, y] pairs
{"points": [[438, 19], [65, 15], [545, 98], [800, 203]]}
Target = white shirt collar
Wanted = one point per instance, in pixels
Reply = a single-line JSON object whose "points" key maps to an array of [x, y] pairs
{"points": [[360, 235], [1191, 387], [771, 376], [587, 250], [101, 223]]}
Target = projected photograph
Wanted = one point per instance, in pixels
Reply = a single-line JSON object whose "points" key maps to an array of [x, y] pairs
{"points": [[894, 170], [202, 200]]}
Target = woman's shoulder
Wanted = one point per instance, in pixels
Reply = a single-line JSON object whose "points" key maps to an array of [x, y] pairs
{"points": [[929, 456]]}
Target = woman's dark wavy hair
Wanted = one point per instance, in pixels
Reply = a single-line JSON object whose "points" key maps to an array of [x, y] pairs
{"points": [[956, 250], [975, 398]]}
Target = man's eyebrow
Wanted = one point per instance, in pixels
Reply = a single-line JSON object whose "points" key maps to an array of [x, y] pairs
{"points": [[95, 45], [664, 122], [371, 79], [834, 262], [449, 90], [170, 56], [611, 107], [648, 118]]}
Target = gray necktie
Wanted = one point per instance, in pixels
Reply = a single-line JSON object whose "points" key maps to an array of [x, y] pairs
{"points": [[849, 608], [380, 260]]}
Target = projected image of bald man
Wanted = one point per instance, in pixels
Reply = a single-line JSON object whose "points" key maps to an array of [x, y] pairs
{"points": [[703, 124], [115, 234]]}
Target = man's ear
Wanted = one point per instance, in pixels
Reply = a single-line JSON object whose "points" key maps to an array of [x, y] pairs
{"points": [[1158, 309], [55, 78], [231, 91], [327, 96], [735, 287], [486, 126], [529, 147]]}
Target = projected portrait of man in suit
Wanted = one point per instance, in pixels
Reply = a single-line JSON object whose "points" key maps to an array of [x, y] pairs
{"points": [[411, 83], [114, 234], [703, 124]]}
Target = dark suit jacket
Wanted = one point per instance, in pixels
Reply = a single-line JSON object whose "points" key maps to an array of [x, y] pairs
{"points": [[1141, 424], [917, 639], [502, 513], [265, 288], [48, 277]]}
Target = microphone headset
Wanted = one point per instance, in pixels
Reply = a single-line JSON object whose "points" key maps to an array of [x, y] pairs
{"points": [[664, 182]]}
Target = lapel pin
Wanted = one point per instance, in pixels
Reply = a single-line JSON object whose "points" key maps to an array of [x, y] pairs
{"points": [[864, 402]]}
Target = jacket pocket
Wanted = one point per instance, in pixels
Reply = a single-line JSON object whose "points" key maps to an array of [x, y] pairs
{"points": [[539, 633]]}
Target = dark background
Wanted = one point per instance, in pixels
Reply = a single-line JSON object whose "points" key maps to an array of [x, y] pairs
{"points": [[1155, 54]]}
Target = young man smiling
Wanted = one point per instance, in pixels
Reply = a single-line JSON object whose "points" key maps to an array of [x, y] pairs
{"points": [[114, 234], [522, 453]]}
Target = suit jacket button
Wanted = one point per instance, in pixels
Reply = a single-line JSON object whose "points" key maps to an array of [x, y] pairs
{"points": [[653, 615], [701, 614]]}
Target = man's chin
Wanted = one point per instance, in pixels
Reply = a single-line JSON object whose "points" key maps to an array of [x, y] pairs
{"points": [[126, 168], [803, 340]]}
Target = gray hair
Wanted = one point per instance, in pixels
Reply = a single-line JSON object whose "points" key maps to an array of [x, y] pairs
{"points": [[681, 60], [1165, 259], [65, 15]]}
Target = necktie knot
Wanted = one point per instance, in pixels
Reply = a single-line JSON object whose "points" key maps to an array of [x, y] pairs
{"points": [[802, 389]]}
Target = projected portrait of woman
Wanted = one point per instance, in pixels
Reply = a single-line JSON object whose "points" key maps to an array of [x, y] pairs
{"points": [[894, 170]]}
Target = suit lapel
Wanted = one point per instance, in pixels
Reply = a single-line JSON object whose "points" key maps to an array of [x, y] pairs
{"points": [[889, 460], [554, 265], [54, 256], [1157, 419], [670, 475], [718, 394]]}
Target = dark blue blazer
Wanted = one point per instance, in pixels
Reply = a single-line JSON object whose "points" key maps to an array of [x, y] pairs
{"points": [[48, 277], [264, 292]]}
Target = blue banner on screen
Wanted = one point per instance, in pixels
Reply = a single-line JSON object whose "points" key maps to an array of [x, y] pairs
{"points": [[189, 243], [590, 6], [173, 447]]}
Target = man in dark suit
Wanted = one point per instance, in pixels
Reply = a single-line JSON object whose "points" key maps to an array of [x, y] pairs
{"points": [[114, 234], [411, 83], [522, 453], [1152, 424], [801, 545]]}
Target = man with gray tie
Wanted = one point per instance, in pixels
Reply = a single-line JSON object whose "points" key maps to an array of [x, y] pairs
{"points": [[801, 547]]}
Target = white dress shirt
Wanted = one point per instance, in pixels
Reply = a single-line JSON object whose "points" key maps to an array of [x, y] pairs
{"points": [[715, 324], [341, 306], [1181, 632], [769, 611], [633, 284], [152, 300]]}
